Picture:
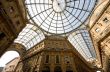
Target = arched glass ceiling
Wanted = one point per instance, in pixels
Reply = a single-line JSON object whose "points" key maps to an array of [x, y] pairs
{"points": [[81, 40], [59, 16], [30, 36]]}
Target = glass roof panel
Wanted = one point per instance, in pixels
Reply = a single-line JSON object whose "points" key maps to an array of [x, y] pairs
{"points": [[59, 16], [81, 40], [30, 36]]}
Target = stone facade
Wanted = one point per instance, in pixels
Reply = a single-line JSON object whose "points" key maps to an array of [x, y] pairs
{"points": [[12, 21], [100, 33], [53, 55]]}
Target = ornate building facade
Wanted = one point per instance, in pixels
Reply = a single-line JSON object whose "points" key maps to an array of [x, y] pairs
{"points": [[53, 55]]}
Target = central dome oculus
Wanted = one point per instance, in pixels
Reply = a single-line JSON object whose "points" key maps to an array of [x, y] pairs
{"points": [[59, 5], [59, 16]]}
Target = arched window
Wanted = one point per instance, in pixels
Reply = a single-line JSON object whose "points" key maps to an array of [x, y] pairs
{"points": [[57, 69], [69, 69], [46, 69]]}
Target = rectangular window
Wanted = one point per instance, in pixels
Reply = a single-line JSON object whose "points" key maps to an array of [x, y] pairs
{"points": [[97, 29], [47, 59], [105, 20], [57, 59]]}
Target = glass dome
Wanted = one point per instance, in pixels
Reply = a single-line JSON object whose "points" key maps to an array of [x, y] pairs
{"points": [[59, 16]]}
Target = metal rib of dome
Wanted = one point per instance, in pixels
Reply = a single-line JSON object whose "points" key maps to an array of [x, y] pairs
{"points": [[59, 16]]}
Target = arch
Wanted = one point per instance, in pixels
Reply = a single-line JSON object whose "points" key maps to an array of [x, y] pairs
{"points": [[69, 69], [46, 69], [57, 69], [8, 57], [17, 47], [30, 36]]}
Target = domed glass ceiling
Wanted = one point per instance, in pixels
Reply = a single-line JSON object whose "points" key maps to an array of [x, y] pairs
{"points": [[30, 36], [82, 42], [59, 16]]}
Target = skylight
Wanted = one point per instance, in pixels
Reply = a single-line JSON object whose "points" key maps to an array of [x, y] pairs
{"points": [[59, 16], [82, 42], [30, 36]]}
